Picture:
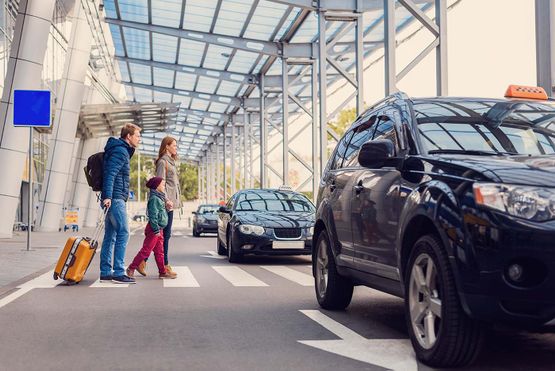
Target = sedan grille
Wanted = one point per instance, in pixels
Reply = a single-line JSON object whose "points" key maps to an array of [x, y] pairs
{"points": [[287, 232]]}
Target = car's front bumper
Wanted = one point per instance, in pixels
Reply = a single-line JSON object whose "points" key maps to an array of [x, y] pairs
{"points": [[492, 245], [268, 244], [207, 227]]}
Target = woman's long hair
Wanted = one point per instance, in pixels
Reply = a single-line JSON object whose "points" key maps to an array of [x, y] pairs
{"points": [[162, 151]]}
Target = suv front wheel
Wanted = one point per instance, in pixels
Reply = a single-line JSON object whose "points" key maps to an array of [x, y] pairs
{"points": [[441, 333], [332, 290]]}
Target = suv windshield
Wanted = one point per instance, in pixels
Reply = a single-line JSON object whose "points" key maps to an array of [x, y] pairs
{"points": [[468, 126], [273, 201], [208, 209]]}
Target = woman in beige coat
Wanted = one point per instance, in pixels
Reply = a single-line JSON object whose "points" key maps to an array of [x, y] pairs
{"points": [[167, 170]]}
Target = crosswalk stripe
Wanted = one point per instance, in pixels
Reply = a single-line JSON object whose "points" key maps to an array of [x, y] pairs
{"points": [[184, 278], [238, 277], [97, 283], [302, 279]]}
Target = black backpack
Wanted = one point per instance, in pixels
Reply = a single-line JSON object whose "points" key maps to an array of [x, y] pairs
{"points": [[94, 170]]}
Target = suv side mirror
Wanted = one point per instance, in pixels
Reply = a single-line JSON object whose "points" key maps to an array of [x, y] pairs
{"points": [[194, 213], [224, 210], [376, 154]]}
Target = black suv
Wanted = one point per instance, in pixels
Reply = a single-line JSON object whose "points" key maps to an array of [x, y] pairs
{"points": [[449, 203]]}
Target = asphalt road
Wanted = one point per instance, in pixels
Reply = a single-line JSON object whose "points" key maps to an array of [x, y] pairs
{"points": [[258, 315]]}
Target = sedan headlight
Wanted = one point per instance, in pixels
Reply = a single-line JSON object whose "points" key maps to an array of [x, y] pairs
{"points": [[533, 203], [251, 229]]}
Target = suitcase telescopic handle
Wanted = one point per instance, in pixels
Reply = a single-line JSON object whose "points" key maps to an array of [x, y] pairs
{"points": [[99, 227]]}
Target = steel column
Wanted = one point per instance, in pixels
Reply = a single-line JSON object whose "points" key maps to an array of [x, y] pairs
{"points": [[225, 163], [263, 133], [359, 55], [545, 45], [441, 49], [285, 119], [322, 78], [389, 47], [315, 169], [232, 156], [246, 174], [218, 171]]}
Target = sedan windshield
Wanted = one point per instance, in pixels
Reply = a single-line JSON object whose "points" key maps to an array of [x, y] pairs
{"points": [[208, 209], [469, 127], [273, 201]]}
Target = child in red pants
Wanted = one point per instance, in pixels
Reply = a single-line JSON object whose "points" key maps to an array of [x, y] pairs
{"points": [[154, 238]]}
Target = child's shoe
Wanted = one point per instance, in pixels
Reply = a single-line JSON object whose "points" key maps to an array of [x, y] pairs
{"points": [[141, 268], [168, 275]]}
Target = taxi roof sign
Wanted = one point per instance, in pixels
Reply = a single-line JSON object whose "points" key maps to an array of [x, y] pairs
{"points": [[527, 92]]}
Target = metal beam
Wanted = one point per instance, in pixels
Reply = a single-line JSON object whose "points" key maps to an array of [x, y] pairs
{"points": [[421, 16], [339, 5], [293, 50], [198, 71], [285, 119]]}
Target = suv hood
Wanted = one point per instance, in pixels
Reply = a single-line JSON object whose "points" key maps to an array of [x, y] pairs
{"points": [[276, 219], [524, 170]]}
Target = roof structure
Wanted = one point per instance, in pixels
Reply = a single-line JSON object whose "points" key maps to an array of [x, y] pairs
{"points": [[207, 55]]}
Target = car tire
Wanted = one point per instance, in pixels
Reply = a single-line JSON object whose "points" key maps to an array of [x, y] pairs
{"points": [[333, 291], [195, 232], [232, 256], [431, 300], [221, 248]]}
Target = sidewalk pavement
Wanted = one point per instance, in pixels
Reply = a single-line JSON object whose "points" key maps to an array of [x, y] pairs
{"points": [[18, 263]]}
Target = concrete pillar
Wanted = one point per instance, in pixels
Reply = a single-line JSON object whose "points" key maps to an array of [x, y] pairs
{"points": [[82, 191], [58, 166], [27, 52]]}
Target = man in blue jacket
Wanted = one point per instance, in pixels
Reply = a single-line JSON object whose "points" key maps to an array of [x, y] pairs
{"points": [[115, 191]]}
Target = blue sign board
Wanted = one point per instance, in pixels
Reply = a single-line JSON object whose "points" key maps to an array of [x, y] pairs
{"points": [[31, 108]]}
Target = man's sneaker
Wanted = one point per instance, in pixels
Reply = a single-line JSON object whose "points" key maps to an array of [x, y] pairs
{"points": [[168, 274], [123, 279], [105, 278]]}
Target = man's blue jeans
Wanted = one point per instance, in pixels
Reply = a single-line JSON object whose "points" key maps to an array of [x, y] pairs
{"points": [[116, 236]]}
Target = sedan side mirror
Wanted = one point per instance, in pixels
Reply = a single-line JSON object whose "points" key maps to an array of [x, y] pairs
{"points": [[224, 210], [377, 154]]}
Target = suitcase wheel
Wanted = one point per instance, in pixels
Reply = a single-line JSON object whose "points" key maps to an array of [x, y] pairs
{"points": [[55, 276]]}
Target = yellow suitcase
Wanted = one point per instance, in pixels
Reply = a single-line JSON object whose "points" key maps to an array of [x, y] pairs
{"points": [[75, 259], [77, 255]]}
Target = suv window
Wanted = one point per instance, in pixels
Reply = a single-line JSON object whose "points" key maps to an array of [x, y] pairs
{"points": [[363, 133], [337, 160], [386, 129]]}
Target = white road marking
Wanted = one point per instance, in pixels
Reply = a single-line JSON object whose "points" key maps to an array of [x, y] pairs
{"points": [[97, 283], [44, 281], [302, 279], [214, 255], [394, 354], [238, 277], [184, 278]]}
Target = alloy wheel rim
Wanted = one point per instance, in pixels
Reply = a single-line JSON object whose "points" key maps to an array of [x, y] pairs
{"points": [[424, 301], [322, 262]]}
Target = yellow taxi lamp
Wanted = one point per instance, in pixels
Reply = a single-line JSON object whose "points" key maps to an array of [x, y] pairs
{"points": [[526, 92]]}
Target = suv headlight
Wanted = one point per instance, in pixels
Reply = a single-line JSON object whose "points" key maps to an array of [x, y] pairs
{"points": [[251, 229], [200, 219], [310, 231], [533, 203]]}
